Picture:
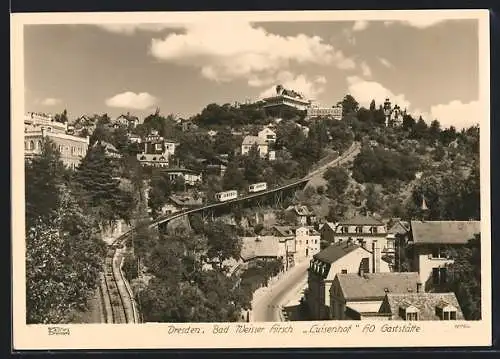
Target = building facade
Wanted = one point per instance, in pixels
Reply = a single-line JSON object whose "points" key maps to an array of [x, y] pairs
{"points": [[156, 151], [346, 257], [363, 230], [191, 177], [249, 141], [71, 148], [328, 112], [430, 241], [307, 243], [286, 98], [267, 135]]}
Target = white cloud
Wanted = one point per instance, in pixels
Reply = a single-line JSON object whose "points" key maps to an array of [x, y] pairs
{"points": [[457, 114], [360, 25], [227, 51], [301, 83], [367, 72], [131, 100], [385, 62], [420, 22], [50, 101], [365, 91], [130, 29]]}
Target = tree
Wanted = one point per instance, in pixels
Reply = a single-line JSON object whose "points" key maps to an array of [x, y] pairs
{"points": [[233, 177], [373, 107], [63, 262], [100, 190], [373, 200], [44, 176], [223, 242], [338, 180], [254, 165], [160, 190], [434, 130], [465, 278], [349, 105]]}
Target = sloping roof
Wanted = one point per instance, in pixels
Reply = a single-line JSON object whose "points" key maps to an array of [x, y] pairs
{"points": [[446, 232], [185, 200], [330, 225], [426, 303], [399, 227], [360, 221], [250, 140], [284, 231], [265, 246], [335, 251], [301, 210], [376, 285]]}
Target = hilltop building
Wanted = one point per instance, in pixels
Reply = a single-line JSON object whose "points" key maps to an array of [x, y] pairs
{"points": [[38, 127], [285, 99], [393, 115]]}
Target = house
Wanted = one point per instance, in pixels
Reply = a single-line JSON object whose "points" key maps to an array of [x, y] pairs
{"points": [[340, 257], [179, 203], [267, 135], [262, 247], [327, 232], [304, 242], [307, 243], [355, 296], [421, 306], [363, 230], [216, 166], [156, 151], [250, 141], [125, 121], [191, 177], [430, 241], [133, 138], [303, 215]]}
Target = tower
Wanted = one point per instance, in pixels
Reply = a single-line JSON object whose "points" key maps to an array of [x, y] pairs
{"points": [[387, 111]]}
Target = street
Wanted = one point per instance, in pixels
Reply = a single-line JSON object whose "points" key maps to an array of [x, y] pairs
{"points": [[266, 305]]}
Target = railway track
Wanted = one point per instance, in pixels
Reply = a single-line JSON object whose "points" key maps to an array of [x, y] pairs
{"points": [[117, 298]]}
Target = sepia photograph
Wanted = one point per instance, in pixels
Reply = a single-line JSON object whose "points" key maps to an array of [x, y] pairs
{"points": [[237, 177]]}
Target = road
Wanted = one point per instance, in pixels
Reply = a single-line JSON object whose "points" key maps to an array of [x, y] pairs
{"points": [[266, 307]]}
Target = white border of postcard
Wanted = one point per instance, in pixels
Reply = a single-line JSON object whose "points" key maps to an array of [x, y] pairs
{"points": [[157, 336]]}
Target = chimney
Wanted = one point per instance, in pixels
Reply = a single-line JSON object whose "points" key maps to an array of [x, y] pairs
{"points": [[419, 287], [376, 256]]}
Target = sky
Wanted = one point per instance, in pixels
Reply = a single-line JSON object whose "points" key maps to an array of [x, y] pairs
{"points": [[429, 67]]}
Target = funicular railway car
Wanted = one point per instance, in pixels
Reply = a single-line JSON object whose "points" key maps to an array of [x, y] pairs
{"points": [[257, 187], [226, 195]]}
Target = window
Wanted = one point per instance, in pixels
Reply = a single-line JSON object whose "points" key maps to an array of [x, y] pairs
{"points": [[344, 271], [374, 230], [438, 252], [359, 229], [446, 312], [439, 275], [411, 316], [345, 229]]}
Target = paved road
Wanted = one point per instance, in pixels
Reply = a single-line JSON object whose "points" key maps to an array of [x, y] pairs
{"points": [[266, 308]]}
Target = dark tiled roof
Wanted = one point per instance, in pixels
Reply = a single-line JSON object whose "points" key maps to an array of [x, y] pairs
{"points": [[376, 285], [446, 232], [335, 251], [360, 221], [426, 303], [284, 231]]}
